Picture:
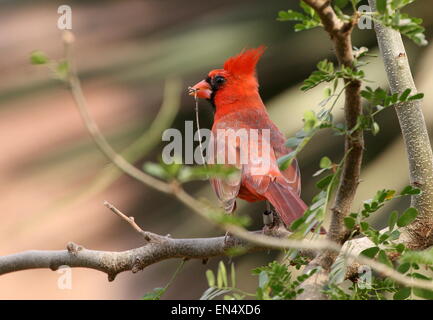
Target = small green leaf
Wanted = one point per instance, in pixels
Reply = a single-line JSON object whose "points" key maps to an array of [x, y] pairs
{"points": [[409, 190], [222, 269], [293, 142], [392, 220], [383, 257], [370, 252], [62, 69], [324, 182], [38, 57], [423, 293], [325, 163], [407, 217], [155, 294], [381, 6], [349, 222], [402, 294], [404, 95], [155, 170], [233, 275], [404, 267], [364, 226], [290, 15], [210, 278], [416, 96]]}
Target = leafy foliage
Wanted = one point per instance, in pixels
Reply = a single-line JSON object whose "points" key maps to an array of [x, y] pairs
{"points": [[307, 20], [388, 13], [177, 171], [276, 283]]}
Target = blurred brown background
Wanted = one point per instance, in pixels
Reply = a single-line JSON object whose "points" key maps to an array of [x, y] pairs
{"points": [[52, 178]]}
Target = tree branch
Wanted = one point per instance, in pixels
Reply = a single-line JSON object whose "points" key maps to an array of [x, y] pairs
{"points": [[419, 234], [112, 263], [340, 33]]}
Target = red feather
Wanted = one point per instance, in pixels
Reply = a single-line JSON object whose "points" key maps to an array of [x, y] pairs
{"points": [[244, 64], [238, 106]]}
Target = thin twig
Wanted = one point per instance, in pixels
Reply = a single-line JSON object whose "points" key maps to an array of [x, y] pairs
{"points": [[130, 220]]}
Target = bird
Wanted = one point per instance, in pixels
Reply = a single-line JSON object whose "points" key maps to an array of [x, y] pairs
{"points": [[233, 92]]}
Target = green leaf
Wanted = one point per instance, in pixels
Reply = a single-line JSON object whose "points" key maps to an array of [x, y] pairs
{"points": [[307, 9], [324, 182], [404, 267], [370, 252], [62, 69], [407, 217], [349, 222], [38, 57], [392, 220], [325, 163], [155, 170], [381, 6], [423, 293], [310, 120], [285, 161], [233, 275], [222, 275], [404, 95], [364, 226], [291, 15], [402, 294], [341, 3], [383, 257], [325, 73], [155, 294], [416, 96], [292, 142], [409, 190], [210, 278]]}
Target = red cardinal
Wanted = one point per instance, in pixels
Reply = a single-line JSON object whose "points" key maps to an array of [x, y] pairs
{"points": [[233, 92]]}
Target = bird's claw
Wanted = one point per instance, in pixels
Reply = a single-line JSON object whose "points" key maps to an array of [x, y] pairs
{"points": [[227, 237]]}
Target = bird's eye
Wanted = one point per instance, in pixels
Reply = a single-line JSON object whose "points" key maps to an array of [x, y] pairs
{"points": [[219, 80]]}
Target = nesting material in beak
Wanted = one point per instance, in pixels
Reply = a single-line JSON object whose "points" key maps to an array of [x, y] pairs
{"points": [[201, 90]]}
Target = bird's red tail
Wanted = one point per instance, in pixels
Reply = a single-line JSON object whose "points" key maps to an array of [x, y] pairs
{"points": [[288, 204]]}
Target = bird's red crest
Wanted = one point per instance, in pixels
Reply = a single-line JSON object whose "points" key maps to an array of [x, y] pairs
{"points": [[244, 63]]}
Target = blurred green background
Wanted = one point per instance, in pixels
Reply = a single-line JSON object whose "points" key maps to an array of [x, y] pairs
{"points": [[52, 178]]}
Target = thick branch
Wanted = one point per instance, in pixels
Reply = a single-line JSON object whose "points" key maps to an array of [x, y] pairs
{"points": [[415, 135], [340, 32], [112, 263]]}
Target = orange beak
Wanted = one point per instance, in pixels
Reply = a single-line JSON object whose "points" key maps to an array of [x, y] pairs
{"points": [[201, 90]]}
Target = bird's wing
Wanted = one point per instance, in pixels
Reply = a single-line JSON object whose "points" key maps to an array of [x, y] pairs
{"points": [[281, 189], [226, 189]]}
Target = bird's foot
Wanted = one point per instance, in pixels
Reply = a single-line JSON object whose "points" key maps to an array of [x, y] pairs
{"points": [[228, 237], [271, 221]]}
